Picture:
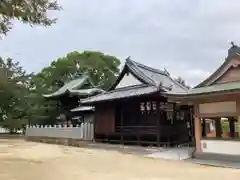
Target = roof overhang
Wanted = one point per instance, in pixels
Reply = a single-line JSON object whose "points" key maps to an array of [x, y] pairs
{"points": [[121, 93], [191, 98], [82, 109], [81, 93]]}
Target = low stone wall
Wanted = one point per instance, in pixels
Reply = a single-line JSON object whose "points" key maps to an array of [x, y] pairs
{"points": [[81, 132], [60, 141], [11, 136]]}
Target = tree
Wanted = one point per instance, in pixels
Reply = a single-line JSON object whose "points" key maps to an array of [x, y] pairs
{"points": [[33, 12], [103, 70], [14, 84], [21, 93], [183, 82]]}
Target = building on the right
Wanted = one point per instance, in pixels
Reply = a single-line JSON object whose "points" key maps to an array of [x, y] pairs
{"points": [[216, 103]]}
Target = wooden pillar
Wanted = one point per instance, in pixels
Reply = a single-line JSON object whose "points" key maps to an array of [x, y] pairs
{"points": [[192, 124], [158, 123], [121, 124], [198, 133], [94, 124], [203, 125], [174, 113], [231, 127], [218, 127]]}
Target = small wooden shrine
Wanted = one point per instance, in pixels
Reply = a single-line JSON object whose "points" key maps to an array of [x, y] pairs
{"points": [[69, 95], [137, 110]]}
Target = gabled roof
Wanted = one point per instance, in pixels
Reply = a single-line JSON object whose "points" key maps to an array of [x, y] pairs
{"points": [[233, 52], [208, 86], [74, 87], [153, 80], [151, 76]]}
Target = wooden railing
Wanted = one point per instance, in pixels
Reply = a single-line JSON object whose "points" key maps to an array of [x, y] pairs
{"points": [[137, 129], [163, 130]]}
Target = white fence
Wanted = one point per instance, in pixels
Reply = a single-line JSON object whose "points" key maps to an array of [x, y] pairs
{"points": [[4, 130], [83, 131]]}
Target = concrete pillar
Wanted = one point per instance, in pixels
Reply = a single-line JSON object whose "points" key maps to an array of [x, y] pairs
{"points": [[198, 134]]}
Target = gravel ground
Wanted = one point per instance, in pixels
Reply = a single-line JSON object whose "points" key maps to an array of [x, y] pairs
{"points": [[21, 160]]}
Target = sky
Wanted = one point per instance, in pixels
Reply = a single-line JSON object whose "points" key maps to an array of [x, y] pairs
{"points": [[189, 38]]}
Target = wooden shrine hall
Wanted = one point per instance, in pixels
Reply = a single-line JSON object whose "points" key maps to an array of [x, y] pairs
{"points": [[68, 96], [137, 109]]}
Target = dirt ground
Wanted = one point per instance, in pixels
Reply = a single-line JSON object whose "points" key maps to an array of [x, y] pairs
{"points": [[20, 160]]}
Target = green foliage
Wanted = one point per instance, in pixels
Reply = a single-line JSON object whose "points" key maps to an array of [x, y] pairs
{"points": [[21, 93], [14, 84], [33, 12], [182, 81], [103, 70]]}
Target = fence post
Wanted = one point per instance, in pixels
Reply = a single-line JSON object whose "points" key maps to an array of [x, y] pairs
{"points": [[81, 131]]}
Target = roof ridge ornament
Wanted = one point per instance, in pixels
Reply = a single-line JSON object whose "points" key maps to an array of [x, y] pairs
{"points": [[233, 50], [128, 58], [170, 87], [160, 85], [233, 44]]}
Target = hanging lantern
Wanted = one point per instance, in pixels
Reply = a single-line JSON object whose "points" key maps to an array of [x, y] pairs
{"points": [[148, 106], [177, 115], [154, 106], [169, 116], [162, 106], [182, 115], [142, 107]]}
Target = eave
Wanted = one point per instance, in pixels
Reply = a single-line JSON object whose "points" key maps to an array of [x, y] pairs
{"points": [[121, 93]]}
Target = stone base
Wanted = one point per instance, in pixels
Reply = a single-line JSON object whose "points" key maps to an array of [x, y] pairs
{"points": [[60, 141], [217, 157], [11, 136]]}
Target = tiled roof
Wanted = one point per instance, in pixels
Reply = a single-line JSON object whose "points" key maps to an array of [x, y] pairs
{"points": [[156, 77], [234, 51], [153, 80], [73, 87], [132, 91], [217, 88]]}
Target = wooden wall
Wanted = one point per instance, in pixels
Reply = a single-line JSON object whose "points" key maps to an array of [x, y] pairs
{"points": [[223, 75], [233, 74], [104, 119], [230, 106]]}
